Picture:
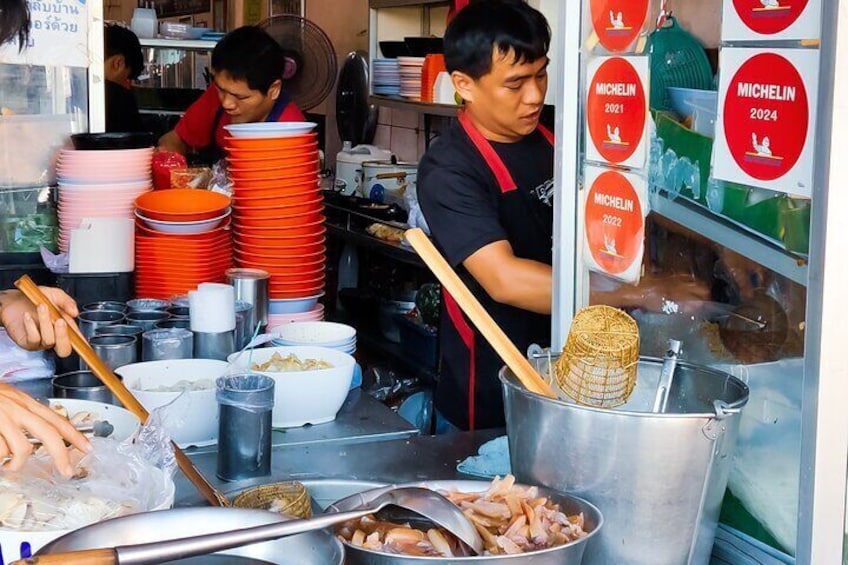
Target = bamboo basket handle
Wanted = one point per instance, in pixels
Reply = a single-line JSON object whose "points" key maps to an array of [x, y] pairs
{"points": [[105, 374], [496, 337]]}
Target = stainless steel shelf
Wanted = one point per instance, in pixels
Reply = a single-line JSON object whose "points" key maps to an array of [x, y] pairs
{"points": [[420, 107], [185, 44], [377, 4], [766, 252]]}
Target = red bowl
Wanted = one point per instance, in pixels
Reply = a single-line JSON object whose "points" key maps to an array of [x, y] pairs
{"points": [[270, 143], [237, 153], [246, 241], [319, 275], [182, 204], [278, 200], [238, 174], [302, 293], [282, 259], [275, 160], [275, 251], [274, 182]]}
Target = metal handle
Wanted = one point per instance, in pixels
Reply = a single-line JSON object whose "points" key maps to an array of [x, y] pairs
{"points": [[667, 376]]}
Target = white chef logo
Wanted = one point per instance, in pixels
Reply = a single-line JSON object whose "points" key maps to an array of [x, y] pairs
{"points": [[545, 192], [617, 21]]}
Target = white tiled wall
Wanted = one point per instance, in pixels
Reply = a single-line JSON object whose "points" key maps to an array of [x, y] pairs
{"points": [[402, 131]]}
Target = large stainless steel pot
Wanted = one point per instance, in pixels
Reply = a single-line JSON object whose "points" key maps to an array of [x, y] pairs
{"points": [[658, 478], [569, 554], [313, 548]]}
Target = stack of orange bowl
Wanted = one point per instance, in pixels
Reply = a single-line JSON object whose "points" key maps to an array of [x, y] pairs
{"points": [[278, 220], [183, 238]]}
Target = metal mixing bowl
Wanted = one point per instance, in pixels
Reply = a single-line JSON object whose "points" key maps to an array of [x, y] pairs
{"points": [[568, 554]]}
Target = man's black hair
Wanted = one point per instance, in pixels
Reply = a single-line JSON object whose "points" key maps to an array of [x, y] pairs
{"points": [[14, 22], [248, 53], [486, 25], [118, 40]]}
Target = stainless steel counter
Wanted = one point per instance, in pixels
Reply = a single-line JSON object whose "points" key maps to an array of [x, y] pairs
{"points": [[361, 419], [414, 458]]}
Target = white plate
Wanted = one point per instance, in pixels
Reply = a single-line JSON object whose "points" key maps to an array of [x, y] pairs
{"points": [[124, 421], [198, 226], [264, 130]]}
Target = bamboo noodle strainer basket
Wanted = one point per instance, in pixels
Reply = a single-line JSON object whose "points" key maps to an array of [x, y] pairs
{"points": [[292, 498], [600, 357]]}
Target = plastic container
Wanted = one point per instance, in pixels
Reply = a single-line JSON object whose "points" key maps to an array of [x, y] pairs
{"points": [[245, 405], [417, 342], [702, 105]]}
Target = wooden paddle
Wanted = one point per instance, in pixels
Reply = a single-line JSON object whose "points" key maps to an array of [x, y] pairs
{"points": [[496, 337], [105, 374]]}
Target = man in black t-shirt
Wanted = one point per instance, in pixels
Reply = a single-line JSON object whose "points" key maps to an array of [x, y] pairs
{"points": [[124, 62], [486, 190]]}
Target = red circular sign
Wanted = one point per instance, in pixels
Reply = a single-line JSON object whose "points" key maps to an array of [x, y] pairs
{"points": [[766, 116], [617, 23], [769, 16], [615, 110], [615, 226]]}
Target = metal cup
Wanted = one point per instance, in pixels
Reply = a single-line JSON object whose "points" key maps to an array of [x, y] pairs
{"points": [[105, 305], [123, 329], [219, 345], [180, 300], [147, 320], [245, 404], [179, 312], [251, 285], [164, 344], [183, 324], [89, 322], [115, 350], [245, 324], [147, 305], [83, 385]]}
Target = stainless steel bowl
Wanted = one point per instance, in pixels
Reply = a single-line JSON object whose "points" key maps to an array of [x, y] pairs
{"points": [[568, 554], [313, 548]]}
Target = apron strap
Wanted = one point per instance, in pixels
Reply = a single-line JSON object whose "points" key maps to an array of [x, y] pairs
{"points": [[490, 156], [280, 105], [466, 334]]}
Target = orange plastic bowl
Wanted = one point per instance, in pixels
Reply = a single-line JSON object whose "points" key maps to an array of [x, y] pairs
{"points": [[292, 269], [285, 250], [245, 240], [282, 258], [269, 143], [283, 172], [278, 200], [303, 293], [235, 153], [248, 213], [182, 204], [278, 160], [298, 278], [297, 228], [276, 182], [281, 191]]}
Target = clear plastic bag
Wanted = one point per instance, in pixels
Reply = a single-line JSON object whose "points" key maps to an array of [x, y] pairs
{"points": [[18, 365], [115, 479]]}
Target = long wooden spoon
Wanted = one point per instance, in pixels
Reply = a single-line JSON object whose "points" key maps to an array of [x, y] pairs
{"points": [[105, 374], [496, 337]]}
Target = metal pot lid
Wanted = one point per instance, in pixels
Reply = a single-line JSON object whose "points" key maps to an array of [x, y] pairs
{"points": [[356, 118]]}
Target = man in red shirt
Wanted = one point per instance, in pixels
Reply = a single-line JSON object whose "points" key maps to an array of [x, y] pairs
{"points": [[247, 87]]}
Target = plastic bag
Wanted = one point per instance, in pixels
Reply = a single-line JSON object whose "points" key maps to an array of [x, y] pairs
{"points": [[57, 263], [18, 365], [115, 479], [416, 216], [220, 181]]}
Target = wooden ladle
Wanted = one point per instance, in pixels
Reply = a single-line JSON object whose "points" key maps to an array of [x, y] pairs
{"points": [[496, 337], [105, 374]]}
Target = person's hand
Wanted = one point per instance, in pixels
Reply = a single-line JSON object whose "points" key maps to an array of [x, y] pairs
{"points": [[31, 327], [19, 413]]}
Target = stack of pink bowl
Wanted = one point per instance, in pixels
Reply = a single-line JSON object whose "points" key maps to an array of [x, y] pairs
{"points": [[182, 239], [96, 184], [316, 314], [278, 224]]}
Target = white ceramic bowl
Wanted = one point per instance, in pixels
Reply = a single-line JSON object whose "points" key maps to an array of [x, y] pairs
{"points": [[200, 425], [293, 305], [125, 422], [303, 397], [199, 226], [265, 130]]}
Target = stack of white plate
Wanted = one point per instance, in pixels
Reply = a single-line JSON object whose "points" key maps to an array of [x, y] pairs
{"points": [[410, 77], [386, 77], [97, 184], [320, 334]]}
